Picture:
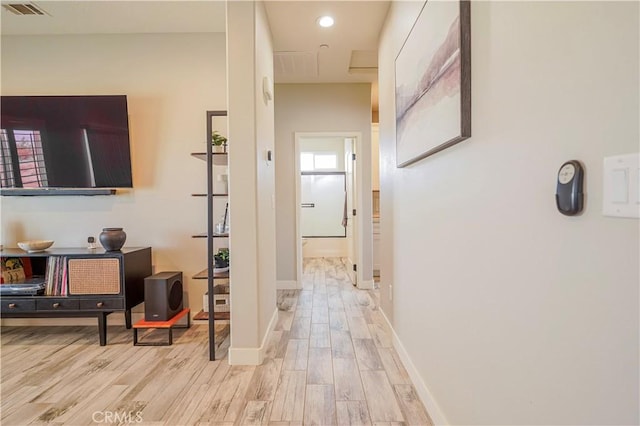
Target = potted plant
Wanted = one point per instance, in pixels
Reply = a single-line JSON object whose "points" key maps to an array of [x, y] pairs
{"points": [[222, 258], [218, 141]]}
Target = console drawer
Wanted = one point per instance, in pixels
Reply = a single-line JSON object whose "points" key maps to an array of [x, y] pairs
{"points": [[52, 304], [99, 304], [17, 305]]}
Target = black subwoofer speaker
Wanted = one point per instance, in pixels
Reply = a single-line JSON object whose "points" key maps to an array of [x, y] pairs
{"points": [[162, 296]]}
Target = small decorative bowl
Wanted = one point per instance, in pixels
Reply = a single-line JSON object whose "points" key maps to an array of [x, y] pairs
{"points": [[35, 246]]}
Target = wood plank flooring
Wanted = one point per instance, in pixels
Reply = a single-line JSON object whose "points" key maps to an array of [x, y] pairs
{"points": [[330, 361]]}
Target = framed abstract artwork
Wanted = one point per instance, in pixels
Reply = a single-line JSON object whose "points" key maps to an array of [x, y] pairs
{"points": [[433, 82]]}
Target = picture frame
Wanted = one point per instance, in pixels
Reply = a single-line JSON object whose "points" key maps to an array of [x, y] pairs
{"points": [[433, 82]]}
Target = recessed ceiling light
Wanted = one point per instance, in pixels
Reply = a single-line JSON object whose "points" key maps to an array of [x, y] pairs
{"points": [[325, 21]]}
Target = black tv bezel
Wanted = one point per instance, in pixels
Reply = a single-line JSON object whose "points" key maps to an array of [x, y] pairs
{"points": [[25, 192]]}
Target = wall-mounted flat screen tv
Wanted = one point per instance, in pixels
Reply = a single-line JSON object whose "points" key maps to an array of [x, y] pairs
{"points": [[64, 142]]}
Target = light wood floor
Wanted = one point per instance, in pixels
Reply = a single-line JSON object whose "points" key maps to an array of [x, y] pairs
{"points": [[330, 362]]}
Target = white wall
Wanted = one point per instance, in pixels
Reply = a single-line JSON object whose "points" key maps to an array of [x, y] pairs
{"points": [[511, 312], [170, 81], [318, 108], [266, 183], [252, 182], [324, 247], [375, 157]]}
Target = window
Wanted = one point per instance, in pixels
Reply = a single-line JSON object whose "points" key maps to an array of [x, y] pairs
{"points": [[22, 160], [325, 161], [310, 161], [306, 161]]}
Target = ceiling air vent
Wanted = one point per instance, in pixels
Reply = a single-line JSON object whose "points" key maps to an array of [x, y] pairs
{"points": [[295, 64], [24, 9]]}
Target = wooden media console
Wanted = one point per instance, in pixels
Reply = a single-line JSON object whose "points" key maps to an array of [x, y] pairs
{"points": [[94, 283]]}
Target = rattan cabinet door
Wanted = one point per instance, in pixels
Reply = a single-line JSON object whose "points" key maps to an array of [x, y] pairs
{"points": [[94, 276]]}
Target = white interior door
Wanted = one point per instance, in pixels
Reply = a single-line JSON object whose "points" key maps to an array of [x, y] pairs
{"points": [[351, 229]]}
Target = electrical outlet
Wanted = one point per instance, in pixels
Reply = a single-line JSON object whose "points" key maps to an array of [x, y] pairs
{"points": [[390, 292]]}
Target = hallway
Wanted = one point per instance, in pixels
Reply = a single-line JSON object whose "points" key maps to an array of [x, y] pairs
{"points": [[334, 343], [330, 361]]}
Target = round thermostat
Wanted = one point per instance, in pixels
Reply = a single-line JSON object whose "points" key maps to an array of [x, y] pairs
{"points": [[567, 172]]}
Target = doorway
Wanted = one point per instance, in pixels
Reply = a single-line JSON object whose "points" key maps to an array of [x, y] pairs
{"points": [[326, 197]]}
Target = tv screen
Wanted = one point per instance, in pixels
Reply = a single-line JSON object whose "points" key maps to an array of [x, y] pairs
{"points": [[64, 142]]}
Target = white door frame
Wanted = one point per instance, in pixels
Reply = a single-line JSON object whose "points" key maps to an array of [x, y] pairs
{"points": [[351, 231], [359, 197]]}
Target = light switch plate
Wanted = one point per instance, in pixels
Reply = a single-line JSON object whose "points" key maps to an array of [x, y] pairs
{"points": [[621, 186]]}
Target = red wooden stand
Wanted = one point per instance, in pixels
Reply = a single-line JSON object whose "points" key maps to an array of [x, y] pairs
{"points": [[169, 325]]}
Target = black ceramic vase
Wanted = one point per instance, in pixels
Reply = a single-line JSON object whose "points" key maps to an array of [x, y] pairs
{"points": [[112, 239]]}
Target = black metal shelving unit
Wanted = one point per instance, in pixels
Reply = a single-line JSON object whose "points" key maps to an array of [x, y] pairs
{"points": [[211, 158]]}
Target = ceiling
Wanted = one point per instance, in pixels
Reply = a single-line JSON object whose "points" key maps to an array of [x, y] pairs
{"points": [[350, 43], [116, 17], [353, 40]]}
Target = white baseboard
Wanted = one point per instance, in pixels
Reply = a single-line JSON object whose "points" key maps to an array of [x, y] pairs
{"points": [[287, 285], [424, 394], [365, 285], [253, 356]]}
